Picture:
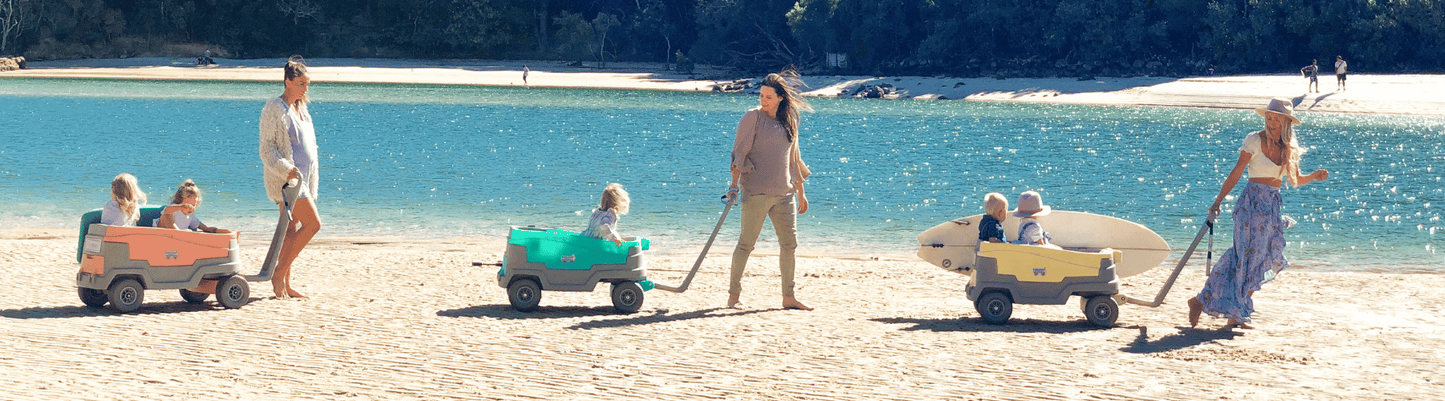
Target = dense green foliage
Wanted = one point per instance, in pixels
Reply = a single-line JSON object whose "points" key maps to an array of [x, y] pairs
{"points": [[957, 37]]}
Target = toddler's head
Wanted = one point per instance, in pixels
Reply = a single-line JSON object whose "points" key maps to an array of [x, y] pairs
{"points": [[188, 194], [994, 204], [126, 194], [615, 198]]}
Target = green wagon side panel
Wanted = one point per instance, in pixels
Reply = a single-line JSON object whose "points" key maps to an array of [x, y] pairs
{"points": [[559, 249]]}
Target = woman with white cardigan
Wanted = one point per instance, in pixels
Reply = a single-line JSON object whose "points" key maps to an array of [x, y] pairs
{"points": [[288, 152]]}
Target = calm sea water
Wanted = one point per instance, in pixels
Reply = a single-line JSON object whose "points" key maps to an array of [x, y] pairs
{"points": [[450, 161]]}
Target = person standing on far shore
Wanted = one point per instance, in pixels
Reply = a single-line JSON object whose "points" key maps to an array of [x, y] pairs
{"points": [[768, 165], [1312, 72], [525, 71], [288, 152], [1257, 255], [1340, 70]]}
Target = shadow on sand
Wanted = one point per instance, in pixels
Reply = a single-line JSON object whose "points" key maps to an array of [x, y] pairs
{"points": [[73, 311], [1187, 337], [978, 325], [1298, 101], [662, 316], [567, 312]]}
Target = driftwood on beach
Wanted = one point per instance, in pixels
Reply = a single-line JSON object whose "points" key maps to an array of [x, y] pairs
{"points": [[12, 63]]}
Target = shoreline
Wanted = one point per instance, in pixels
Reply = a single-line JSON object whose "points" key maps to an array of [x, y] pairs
{"points": [[1368, 94], [492, 244]]}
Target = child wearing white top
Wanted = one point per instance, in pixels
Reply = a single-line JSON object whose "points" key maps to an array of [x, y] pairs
{"points": [[125, 202], [1031, 206], [181, 213], [603, 224]]}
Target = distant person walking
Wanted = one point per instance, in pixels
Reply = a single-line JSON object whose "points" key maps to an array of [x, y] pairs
{"points": [[288, 152], [1341, 68], [768, 165], [525, 71], [1312, 72], [1257, 255]]}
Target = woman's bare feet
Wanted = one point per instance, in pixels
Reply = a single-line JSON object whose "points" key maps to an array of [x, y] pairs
{"points": [[295, 294], [1195, 308], [1235, 323], [792, 303], [735, 303]]}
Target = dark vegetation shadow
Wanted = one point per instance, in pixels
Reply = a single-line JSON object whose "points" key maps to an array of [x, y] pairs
{"points": [[1187, 337], [976, 324], [79, 310]]}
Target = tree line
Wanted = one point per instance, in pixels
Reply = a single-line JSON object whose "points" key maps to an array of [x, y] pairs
{"points": [[1006, 38]]}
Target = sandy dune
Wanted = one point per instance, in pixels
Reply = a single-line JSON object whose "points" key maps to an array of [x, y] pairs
{"points": [[399, 319]]}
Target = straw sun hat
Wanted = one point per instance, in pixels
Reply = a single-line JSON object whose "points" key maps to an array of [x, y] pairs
{"points": [[1031, 205], [1278, 106]]}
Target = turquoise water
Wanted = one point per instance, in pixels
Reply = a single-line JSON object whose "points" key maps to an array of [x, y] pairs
{"points": [[451, 161]]}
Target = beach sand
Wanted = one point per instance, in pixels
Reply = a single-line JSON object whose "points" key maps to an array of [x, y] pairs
{"points": [[1367, 93], [392, 318]]}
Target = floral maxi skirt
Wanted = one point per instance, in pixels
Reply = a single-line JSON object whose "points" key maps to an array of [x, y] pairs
{"points": [[1255, 258]]}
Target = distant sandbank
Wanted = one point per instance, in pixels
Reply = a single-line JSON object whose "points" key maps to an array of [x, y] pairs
{"points": [[1365, 93]]}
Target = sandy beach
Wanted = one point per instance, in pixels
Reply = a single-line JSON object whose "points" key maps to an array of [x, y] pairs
{"points": [[1366, 93], [392, 318]]}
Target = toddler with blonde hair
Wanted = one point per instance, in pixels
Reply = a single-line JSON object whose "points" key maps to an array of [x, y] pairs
{"points": [[181, 213], [603, 224], [126, 200], [990, 228]]}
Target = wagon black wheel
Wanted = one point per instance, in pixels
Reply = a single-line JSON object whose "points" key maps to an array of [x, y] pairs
{"points": [[233, 292], [194, 297], [126, 295], [1102, 311], [995, 307], [92, 297], [627, 296], [525, 294]]}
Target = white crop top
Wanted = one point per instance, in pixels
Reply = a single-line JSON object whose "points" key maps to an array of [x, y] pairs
{"points": [[1260, 166]]}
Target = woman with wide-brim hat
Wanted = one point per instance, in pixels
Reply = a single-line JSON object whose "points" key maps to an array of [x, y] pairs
{"points": [[1257, 255]]}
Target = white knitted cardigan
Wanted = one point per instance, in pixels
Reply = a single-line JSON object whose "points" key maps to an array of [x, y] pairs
{"points": [[275, 149]]}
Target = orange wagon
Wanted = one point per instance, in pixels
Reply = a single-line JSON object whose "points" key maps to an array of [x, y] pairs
{"points": [[117, 264]]}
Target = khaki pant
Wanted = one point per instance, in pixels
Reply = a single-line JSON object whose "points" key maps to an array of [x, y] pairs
{"points": [[783, 212]]}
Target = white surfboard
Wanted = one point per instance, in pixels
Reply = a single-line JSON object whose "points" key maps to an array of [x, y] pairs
{"points": [[952, 245]]}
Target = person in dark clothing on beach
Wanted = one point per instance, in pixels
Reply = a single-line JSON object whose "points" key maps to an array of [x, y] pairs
{"points": [[1312, 72]]}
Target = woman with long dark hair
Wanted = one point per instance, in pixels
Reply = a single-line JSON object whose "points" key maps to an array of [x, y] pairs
{"points": [[768, 166]]}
